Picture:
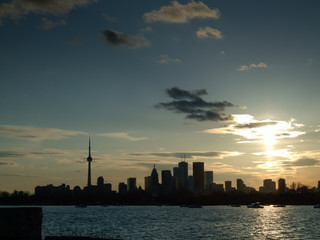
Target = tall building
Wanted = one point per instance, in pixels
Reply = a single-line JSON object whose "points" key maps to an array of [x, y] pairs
{"points": [[228, 186], [269, 186], [89, 159], [147, 184], [154, 177], [281, 185], [191, 183], [100, 182], [208, 179], [166, 180], [240, 185], [198, 175], [122, 188], [178, 177], [131, 184], [184, 166]]}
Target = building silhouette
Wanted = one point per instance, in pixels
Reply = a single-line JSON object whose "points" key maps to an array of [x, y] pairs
{"points": [[241, 187], [122, 188], [228, 186], [269, 186], [178, 177], [184, 166], [166, 180], [89, 159], [281, 185], [147, 184], [198, 175], [208, 179], [132, 184]]}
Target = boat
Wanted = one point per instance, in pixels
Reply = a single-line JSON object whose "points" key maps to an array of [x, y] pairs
{"points": [[255, 205], [279, 205], [317, 205]]}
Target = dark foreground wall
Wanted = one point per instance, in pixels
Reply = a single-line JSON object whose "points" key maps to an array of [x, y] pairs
{"points": [[22, 223]]}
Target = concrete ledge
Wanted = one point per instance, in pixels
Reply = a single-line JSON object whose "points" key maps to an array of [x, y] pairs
{"points": [[21, 223]]}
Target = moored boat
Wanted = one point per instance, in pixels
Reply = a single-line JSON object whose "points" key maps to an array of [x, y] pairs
{"points": [[255, 205], [279, 205], [317, 205]]}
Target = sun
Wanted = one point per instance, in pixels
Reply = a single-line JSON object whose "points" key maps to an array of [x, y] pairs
{"points": [[269, 137]]}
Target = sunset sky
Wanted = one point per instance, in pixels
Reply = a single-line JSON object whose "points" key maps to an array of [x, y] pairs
{"points": [[234, 84]]}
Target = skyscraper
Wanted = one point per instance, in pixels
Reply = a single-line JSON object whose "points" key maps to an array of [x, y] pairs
{"points": [[166, 180], [281, 185], [228, 185], [208, 179], [178, 177], [132, 184], [89, 159], [184, 166], [198, 175], [240, 185], [269, 186]]}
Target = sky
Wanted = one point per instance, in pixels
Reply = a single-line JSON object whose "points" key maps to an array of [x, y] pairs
{"points": [[233, 84]]}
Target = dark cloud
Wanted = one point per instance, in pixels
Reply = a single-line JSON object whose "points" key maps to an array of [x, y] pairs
{"points": [[303, 162], [255, 124], [9, 154], [16, 9], [117, 39], [191, 104]]}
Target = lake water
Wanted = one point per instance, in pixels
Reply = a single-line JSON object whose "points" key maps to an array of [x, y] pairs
{"points": [[174, 222]]}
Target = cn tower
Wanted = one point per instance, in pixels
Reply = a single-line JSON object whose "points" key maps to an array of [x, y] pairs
{"points": [[89, 159]]}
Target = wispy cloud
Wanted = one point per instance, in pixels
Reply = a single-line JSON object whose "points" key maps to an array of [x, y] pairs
{"points": [[189, 155], [164, 59], [16, 9], [48, 24], [252, 66], [179, 13], [191, 104], [209, 32], [302, 162], [35, 134], [118, 39], [122, 135]]}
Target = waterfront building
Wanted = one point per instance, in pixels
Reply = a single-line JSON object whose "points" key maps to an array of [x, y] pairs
{"points": [[122, 188], [228, 186], [208, 179], [269, 186], [241, 187], [166, 180], [184, 166], [198, 175], [131, 184], [155, 187], [147, 184], [191, 183], [100, 182], [281, 185], [178, 177]]}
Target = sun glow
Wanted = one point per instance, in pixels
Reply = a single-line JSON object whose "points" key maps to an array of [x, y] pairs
{"points": [[269, 137]]}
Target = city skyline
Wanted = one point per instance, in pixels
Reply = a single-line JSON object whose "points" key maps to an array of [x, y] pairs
{"points": [[231, 84]]}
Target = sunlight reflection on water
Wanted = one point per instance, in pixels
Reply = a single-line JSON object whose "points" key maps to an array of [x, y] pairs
{"points": [[172, 222]]}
